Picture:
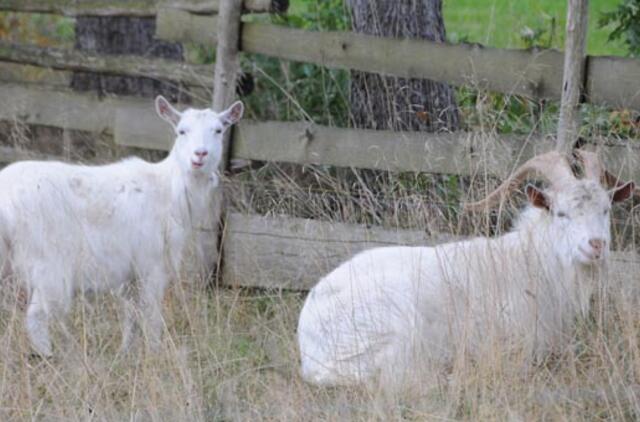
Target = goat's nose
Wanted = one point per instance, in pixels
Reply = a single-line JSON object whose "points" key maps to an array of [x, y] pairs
{"points": [[598, 245], [201, 153]]}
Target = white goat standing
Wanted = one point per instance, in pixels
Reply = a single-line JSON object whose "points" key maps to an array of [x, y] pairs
{"points": [[387, 310], [67, 229]]}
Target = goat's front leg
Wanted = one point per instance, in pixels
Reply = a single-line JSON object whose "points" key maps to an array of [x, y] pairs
{"points": [[152, 288], [47, 300], [130, 326]]}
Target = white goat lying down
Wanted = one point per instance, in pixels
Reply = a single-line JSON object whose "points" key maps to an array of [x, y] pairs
{"points": [[388, 309], [67, 229]]}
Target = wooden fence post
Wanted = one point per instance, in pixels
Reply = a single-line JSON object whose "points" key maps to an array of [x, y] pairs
{"points": [[573, 73], [224, 87]]}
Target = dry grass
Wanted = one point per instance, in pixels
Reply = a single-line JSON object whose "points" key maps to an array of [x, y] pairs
{"points": [[231, 355]]}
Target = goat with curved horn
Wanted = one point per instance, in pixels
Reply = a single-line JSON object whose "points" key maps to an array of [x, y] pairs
{"points": [[552, 166], [391, 313]]}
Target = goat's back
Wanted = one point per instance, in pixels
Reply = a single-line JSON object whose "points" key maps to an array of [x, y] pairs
{"points": [[91, 220]]}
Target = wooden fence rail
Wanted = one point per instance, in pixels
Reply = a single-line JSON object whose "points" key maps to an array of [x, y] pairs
{"points": [[532, 73], [294, 253], [132, 7], [133, 122], [66, 59]]}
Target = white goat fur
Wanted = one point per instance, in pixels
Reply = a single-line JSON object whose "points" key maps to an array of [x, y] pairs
{"points": [[388, 310], [68, 229]]}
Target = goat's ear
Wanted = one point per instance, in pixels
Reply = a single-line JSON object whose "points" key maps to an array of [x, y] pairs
{"points": [[166, 111], [623, 192], [233, 114], [537, 198]]}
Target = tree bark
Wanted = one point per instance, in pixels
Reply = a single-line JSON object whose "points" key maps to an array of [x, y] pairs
{"points": [[124, 35], [379, 102]]}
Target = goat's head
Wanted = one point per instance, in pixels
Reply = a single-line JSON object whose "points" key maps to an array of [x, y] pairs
{"points": [[577, 209], [198, 146]]}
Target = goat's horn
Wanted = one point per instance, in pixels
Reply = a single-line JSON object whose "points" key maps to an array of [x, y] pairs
{"points": [[595, 170], [552, 166]]}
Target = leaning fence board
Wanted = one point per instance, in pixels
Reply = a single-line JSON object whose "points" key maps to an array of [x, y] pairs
{"points": [[532, 73], [66, 59], [293, 253]]}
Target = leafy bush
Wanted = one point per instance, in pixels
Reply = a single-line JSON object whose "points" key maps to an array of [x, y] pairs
{"points": [[626, 18], [302, 91]]}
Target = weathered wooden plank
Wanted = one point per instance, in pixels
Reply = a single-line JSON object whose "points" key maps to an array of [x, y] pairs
{"points": [[213, 6], [21, 73], [449, 153], [180, 26], [132, 121], [293, 253], [55, 108], [65, 59], [133, 7], [82, 7], [614, 82], [531, 73]]}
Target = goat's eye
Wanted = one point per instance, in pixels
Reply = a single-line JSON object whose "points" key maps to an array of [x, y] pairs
{"points": [[182, 132], [561, 214], [606, 212], [218, 131]]}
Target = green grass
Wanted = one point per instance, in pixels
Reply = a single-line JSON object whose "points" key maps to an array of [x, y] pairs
{"points": [[499, 23]]}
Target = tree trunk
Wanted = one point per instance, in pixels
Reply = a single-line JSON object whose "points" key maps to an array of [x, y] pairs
{"points": [[379, 102], [124, 35]]}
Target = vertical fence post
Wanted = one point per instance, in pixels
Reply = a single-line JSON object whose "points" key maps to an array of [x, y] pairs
{"points": [[573, 73], [224, 82]]}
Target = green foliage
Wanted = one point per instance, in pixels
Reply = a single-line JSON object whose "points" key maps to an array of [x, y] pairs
{"points": [[626, 21], [302, 91]]}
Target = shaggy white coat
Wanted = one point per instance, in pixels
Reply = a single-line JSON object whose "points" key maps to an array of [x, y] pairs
{"points": [[68, 229], [389, 310]]}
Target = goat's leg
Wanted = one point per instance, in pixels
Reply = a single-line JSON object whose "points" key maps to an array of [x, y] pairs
{"points": [[51, 298], [151, 293], [38, 324], [130, 325]]}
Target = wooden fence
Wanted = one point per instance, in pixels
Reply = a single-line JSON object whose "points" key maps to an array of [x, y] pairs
{"points": [[293, 252]]}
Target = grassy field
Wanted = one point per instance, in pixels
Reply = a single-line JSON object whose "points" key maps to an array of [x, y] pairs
{"points": [[500, 23]]}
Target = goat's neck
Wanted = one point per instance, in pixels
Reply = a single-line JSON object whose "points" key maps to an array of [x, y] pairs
{"points": [[566, 283], [191, 193]]}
